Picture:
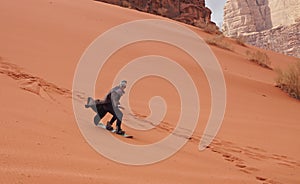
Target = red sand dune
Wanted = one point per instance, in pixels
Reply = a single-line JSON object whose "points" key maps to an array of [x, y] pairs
{"points": [[42, 42]]}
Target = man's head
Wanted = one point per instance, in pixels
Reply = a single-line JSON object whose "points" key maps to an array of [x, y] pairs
{"points": [[123, 84]]}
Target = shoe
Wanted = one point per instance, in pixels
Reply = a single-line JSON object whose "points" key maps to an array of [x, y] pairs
{"points": [[108, 126], [120, 131]]}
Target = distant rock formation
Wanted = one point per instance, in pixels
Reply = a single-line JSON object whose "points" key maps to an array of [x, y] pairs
{"points": [[285, 12], [281, 39], [191, 12], [269, 24]]}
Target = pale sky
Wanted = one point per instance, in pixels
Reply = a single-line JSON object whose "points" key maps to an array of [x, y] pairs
{"points": [[216, 6]]}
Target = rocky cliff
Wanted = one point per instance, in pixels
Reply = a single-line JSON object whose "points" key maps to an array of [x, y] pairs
{"points": [[284, 12], [191, 12], [269, 24]]}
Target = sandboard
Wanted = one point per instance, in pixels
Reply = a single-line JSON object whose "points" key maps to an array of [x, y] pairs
{"points": [[101, 125]]}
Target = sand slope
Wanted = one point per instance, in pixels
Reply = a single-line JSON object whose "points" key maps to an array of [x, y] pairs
{"points": [[42, 42]]}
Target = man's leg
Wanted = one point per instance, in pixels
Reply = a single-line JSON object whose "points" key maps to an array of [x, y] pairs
{"points": [[112, 120], [110, 123], [108, 108], [119, 116]]}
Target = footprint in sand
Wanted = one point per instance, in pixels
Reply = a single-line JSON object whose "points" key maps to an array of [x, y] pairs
{"points": [[32, 83], [261, 178], [234, 154]]}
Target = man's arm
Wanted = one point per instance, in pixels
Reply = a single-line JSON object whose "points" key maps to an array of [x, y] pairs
{"points": [[114, 99]]}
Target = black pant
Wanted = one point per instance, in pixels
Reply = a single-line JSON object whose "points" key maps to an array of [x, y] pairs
{"points": [[102, 109]]}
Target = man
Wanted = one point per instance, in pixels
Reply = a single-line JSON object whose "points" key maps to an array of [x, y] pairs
{"points": [[110, 104]]}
